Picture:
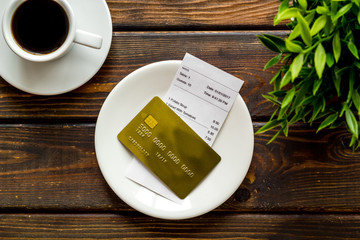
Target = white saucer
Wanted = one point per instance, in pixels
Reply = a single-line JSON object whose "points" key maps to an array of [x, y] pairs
{"points": [[234, 144], [70, 71]]}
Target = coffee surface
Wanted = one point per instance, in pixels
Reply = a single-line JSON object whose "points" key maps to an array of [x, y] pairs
{"points": [[40, 26]]}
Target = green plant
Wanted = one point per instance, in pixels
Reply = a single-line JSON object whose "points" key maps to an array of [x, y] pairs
{"points": [[319, 79]]}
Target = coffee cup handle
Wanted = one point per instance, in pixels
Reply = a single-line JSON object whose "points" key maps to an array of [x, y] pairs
{"points": [[88, 39]]}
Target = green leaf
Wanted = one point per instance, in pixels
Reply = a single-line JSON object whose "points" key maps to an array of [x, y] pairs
{"points": [[330, 60], [338, 123], [301, 94], [323, 104], [269, 125], [293, 47], [305, 30], [305, 114], [295, 32], [285, 127], [286, 79], [351, 85], [288, 98], [317, 106], [273, 61], [342, 11], [297, 65], [316, 85], [349, 35], [275, 136], [357, 2], [280, 93], [320, 59], [337, 81], [329, 26], [322, 10], [353, 49], [269, 44], [286, 14], [334, 7], [356, 100], [307, 100], [328, 121], [343, 108], [277, 82], [286, 58], [310, 17], [283, 112], [283, 6], [274, 114], [319, 24], [357, 64], [279, 42], [278, 74], [336, 44], [353, 141], [272, 99], [296, 118], [351, 122], [344, 70], [303, 4], [358, 145]]}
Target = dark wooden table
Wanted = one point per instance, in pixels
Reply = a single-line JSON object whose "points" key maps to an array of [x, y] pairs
{"points": [[305, 186]]}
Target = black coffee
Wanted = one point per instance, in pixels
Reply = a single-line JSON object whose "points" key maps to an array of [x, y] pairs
{"points": [[40, 26]]}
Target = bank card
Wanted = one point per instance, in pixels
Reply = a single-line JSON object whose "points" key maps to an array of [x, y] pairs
{"points": [[166, 145]]}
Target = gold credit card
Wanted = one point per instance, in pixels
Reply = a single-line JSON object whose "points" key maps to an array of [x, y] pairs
{"points": [[169, 147]]}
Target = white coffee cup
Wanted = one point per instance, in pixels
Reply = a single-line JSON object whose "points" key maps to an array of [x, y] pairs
{"points": [[74, 35]]}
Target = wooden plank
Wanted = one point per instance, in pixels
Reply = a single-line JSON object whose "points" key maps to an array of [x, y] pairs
{"points": [[40, 164], [211, 226], [192, 14], [304, 171], [239, 53]]}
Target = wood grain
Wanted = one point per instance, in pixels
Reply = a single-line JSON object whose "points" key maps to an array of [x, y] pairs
{"points": [[239, 53], [40, 164], [192, 14], [305, 186], [210, 226]]}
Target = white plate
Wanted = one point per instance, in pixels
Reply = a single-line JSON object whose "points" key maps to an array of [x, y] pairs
{"points": [[70, 71], [234, 144]]}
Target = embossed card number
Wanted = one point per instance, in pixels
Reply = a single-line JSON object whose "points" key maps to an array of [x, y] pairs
{"points": [[169, 147]]}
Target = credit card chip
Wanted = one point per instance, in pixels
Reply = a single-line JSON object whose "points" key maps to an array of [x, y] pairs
{"points": [[151, 121]]}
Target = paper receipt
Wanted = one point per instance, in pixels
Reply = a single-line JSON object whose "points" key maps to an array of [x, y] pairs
{"points": [[202, 95]]}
